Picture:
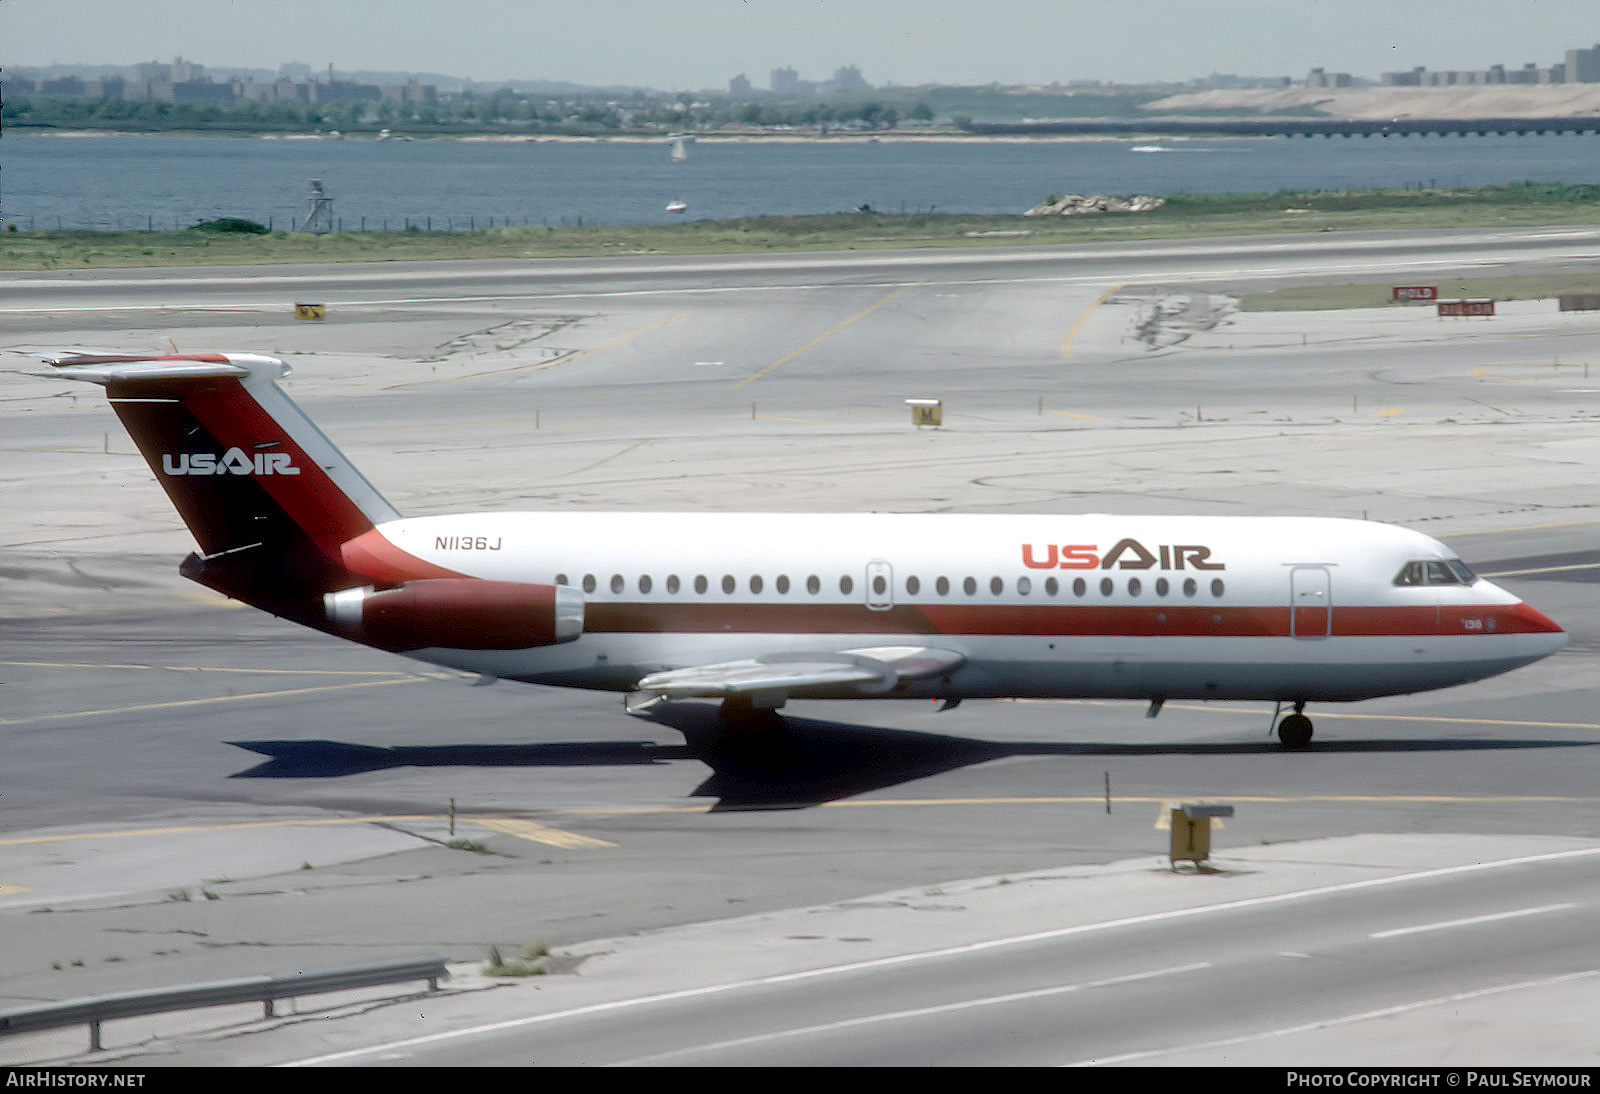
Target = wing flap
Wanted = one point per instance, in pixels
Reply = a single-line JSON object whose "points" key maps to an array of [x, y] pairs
{"points": [[861, 671]]}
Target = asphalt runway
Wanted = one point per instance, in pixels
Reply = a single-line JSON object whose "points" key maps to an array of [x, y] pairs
{"points": [[194, 791]]}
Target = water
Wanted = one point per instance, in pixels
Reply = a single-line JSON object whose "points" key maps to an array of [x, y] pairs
{"points": [[164, 182]]}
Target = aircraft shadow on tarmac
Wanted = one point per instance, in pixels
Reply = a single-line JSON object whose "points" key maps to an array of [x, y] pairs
{"points": [[808, 763]]}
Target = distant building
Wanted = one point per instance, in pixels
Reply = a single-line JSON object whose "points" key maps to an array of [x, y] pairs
{"points": [[194, 92], [344, 91], [848, 78], [107, 87], [1583, 66], [411, 93], [66, 87], [784, 81], [1216, 79], [740, 87], [1319, 78]]}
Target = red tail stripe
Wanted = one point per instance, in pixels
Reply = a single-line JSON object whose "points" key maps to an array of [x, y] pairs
{"points": [[311, 499], [372, 555]]}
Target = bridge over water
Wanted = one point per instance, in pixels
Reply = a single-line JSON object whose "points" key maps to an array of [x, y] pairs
{"points": [[1289, 127]]}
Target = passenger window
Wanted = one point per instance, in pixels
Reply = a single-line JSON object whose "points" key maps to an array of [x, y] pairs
{"points": [[755, 584], [1080, 587], [1216, 587], [700, 583], [728, 584], [1024, 586], [672, 584], [846, 585], [783, 583], [813, 586], [1051, 586], [996, 586], [645, 583], [1134, 586], [913, 586], [588, 583], [969, 586], [1107, 586], [1162, 587], [942, 586], [616, 583], [561, 579]]}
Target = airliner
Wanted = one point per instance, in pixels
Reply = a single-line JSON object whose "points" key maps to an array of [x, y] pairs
{"points": [[753, 609]]}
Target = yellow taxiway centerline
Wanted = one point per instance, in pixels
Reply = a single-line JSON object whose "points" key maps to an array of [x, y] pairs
{"points": [[177, 703], [538, 833], [825, 335], [1066, 341]]}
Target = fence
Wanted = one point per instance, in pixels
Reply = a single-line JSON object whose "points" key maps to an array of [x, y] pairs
{"points": [[423, 222]]}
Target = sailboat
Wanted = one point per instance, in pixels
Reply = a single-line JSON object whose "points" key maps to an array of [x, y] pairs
{"points": [[679, 154]]}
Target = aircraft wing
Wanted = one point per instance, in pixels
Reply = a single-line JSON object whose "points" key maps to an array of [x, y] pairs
{"points": [[869, 671]]}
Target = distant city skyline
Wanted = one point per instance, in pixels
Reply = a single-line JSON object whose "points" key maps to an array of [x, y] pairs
{"points": [[701, 44]]}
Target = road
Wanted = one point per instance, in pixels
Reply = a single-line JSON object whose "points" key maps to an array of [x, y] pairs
{"points": [[1306, 977], [199, 792]]}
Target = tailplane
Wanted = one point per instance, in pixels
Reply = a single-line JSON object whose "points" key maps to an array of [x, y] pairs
{"points": [[267, 495]]}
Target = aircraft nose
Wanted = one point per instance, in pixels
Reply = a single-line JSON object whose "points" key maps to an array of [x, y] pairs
{"points": [[1526, 619]]}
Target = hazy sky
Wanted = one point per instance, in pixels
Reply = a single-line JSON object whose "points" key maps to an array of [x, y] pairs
{"points": [[692, 44]]}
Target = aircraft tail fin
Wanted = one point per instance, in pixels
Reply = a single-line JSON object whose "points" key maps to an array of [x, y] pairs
{"points": [[267, 496]]}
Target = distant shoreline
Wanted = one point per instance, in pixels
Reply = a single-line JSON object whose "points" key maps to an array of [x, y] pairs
{"points": [[942, 136]]}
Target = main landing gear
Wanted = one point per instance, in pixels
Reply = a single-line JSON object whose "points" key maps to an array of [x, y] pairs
{"points": [[1294, 730], [741, 714]]}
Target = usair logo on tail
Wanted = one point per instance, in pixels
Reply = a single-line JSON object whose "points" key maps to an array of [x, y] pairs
{"points": [[235, 461]]}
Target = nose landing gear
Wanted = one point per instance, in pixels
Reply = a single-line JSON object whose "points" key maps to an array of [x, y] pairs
{"points": [[1294, 730]]}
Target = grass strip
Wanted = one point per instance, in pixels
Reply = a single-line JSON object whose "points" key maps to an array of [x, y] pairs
{"points": [[1528, 205]]}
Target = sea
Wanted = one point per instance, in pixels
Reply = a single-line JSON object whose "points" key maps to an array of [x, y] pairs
{"points": [[106, 182]]}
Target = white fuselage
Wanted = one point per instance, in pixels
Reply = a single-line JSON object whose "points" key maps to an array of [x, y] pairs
{"points": [[1037, 606]]}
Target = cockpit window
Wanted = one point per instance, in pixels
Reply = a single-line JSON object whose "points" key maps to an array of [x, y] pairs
{"points": [[1435, 571]]}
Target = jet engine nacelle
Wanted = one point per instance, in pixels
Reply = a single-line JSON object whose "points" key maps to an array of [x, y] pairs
{"points": [[457, 614]]}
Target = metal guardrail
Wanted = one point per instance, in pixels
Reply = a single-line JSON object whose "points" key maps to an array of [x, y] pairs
{"points": [[265, 990]]}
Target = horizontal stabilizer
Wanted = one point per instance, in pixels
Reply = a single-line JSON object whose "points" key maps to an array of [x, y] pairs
{"points": [[117, 368], [863, 671]]}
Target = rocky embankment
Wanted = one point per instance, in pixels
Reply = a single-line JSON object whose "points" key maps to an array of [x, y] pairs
{"points": [[1078, 205]]}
